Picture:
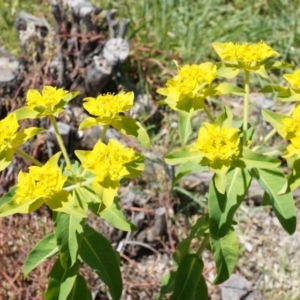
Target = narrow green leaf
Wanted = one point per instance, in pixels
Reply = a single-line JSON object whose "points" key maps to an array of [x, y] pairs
{"points": [[98, 253], [186, 168], [226, 252], [289, 95], [88, 122], [182, 249], [68, 231], [187, 277], [252, 159], [131, 127], [45, 248], [183, 155], [222, 207], [6, 157], [273, 65], [272, 182], [114, 216], [184, 124], [80, 290], [61, 281]]}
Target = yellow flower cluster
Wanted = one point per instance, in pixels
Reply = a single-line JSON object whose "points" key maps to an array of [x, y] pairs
{"points": [[107, 161], [189, 82], [8, 129], [47, 102], [108, 107], [218, 145], [293, 79], [246, 54], [41, 182], [291, 132]]}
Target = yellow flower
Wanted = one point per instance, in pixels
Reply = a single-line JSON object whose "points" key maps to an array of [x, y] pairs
{"points": [[8, 129], [108, 107], [189, 83], [292, 124], [293, 79], [108, 161], [248, 56], [40, 183], [218, 145], [49, 102]]}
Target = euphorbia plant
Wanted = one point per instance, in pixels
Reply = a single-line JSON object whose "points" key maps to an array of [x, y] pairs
{"points": [[71, 188], [225, 146]]}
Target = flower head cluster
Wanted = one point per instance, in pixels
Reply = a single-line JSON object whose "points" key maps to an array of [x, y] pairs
{"points": [[189, 82], [218, 145], [8, 129], [49, 102], [246, 55], [108, 162], [108, 107], [293, 79], [40, 183]]}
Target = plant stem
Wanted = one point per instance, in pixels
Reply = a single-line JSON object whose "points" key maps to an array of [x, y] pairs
{"points": [[28, 157], [60, 141], [203, 245], [210, 116], [246, 107], [103, 133]]}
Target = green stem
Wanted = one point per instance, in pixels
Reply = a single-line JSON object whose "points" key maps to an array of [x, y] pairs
{"points": [[60, 141], [203, 245], [103, 133], [28, 157], [246, 107], [210, 116]]}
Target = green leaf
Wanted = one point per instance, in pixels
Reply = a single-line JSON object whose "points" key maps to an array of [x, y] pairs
{"points": [[98, 253], [167, 283], [275, 119], [68, 231], [12, 207], [294, 177], [226, 70], [80, 290], [6, 157], [224, 120], [272, 182], [227, 88], [252, 159], [226, 252], [45, 248], [61, 281], [182, 249], [131, 127], [23, 135], [201, 292], [187, 168], [183, 155], [220, 179], [25, 113], [274, 65], [187, 277], [289, 95], [114, 216], [223, 206], [8, 196], [184, 124], [88, 122]]}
